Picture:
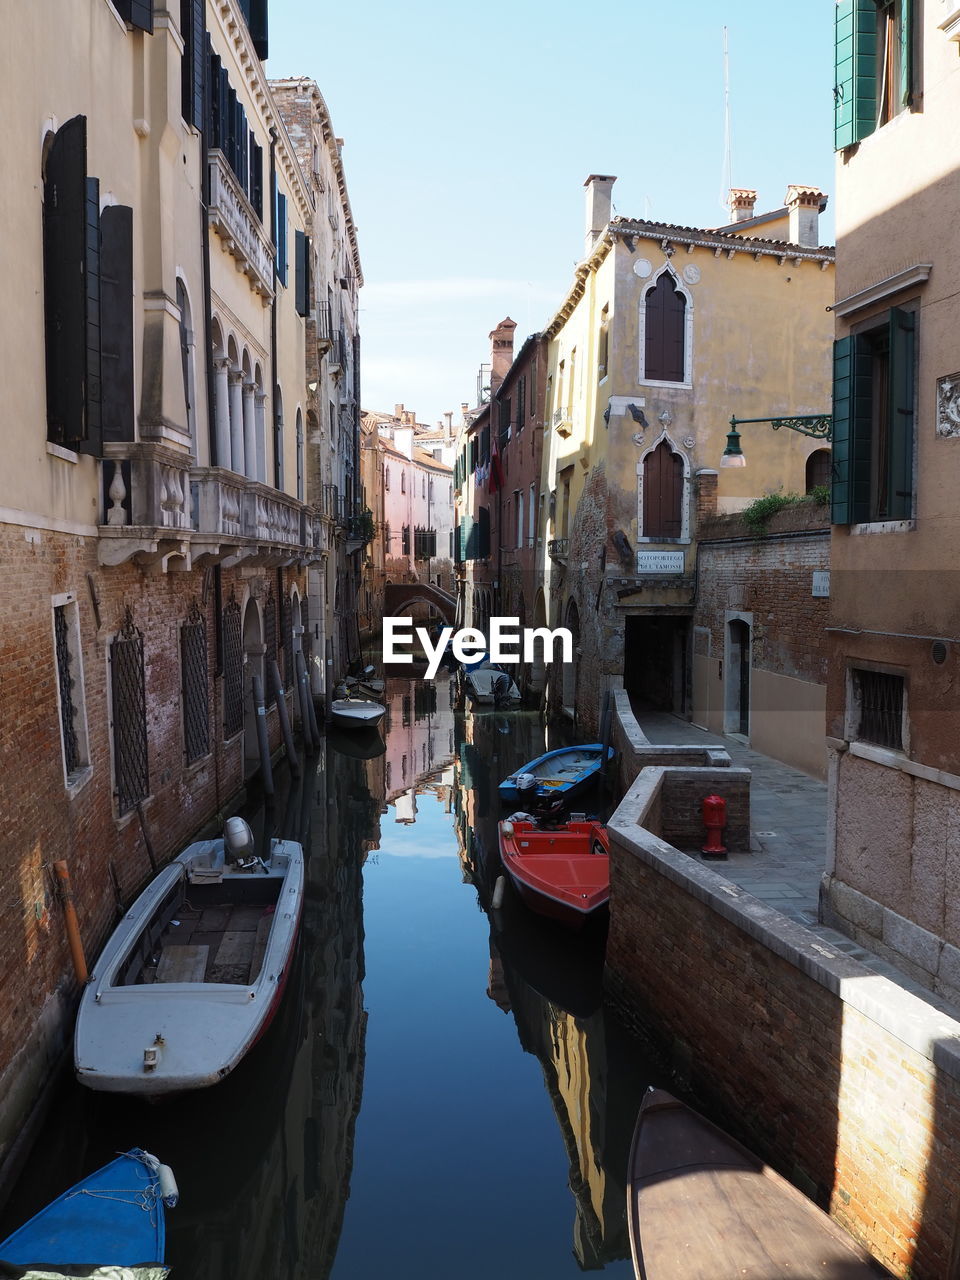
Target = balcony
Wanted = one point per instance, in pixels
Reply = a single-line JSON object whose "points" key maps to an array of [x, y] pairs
{"points": [[166, 515], [561, 422], [335, 356], [232, 217], [324, 326], [558, 549]]}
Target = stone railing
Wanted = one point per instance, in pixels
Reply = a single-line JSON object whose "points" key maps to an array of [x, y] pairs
{"points": [[232, 217]]}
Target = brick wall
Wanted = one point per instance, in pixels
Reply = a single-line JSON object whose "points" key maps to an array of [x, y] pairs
{"points": [[843, 1081], [43, 821]]}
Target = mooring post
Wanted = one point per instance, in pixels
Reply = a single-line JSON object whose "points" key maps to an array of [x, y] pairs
{"points": [[266, 768], [284, 717]]}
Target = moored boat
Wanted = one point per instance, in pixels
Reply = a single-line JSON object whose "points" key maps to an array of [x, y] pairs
{"points": [[192, 976], [356, 713], [560, 872], [702, 1207], [566, 772], [113, 1218], [488, 682]]}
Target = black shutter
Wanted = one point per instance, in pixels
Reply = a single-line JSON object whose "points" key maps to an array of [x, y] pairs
{"points": [[93, 426], [64, 258], [116, 277], [194, 55], [256, 11], [256, 176], [139, 13], [302, 259]]}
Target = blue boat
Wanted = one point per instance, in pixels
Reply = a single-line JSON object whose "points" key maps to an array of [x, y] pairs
{"points": [[564, 773], [114, 1217]]}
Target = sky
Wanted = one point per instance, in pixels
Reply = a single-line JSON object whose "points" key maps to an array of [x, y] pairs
{"points": [[469, 131]]}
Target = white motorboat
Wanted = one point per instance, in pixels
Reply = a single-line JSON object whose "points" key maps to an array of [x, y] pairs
{"points": [[356, 713], [193, 974], [490, 683]]}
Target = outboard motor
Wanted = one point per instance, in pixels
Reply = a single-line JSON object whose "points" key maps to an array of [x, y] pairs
{"points": [[501, 688], [526, 785], [238, 842]]}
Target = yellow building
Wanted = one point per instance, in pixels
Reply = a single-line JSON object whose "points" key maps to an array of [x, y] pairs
{"points": [[666, 332]]}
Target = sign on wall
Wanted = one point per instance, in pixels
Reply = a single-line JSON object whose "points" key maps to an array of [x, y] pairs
{"points": [[821, 582], [659, 562]]}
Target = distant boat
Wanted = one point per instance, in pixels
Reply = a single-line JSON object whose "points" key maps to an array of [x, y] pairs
{"points": [[485, 681], [566, 772], [702, 1207], [112, 1218], [356, 713], [562, 872], [193, 974]]}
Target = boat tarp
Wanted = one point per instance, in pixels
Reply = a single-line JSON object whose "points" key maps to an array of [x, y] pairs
{"points": [[146, 1271]]}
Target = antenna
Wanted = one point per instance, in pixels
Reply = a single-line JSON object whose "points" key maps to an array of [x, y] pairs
{"points": [[726, 177]]}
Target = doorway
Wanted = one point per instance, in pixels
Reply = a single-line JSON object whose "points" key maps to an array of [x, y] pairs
{"points": [[736, 717], [655, 662]]}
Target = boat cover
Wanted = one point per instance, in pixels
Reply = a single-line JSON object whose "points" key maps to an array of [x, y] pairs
{"points": [[144, 1271], [114, 1216]]}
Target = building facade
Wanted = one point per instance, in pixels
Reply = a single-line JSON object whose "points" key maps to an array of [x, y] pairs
{"points": [[892, 691]]}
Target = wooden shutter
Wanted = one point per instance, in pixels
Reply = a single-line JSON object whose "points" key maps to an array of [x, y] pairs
{"points": [[256, 176], [852, 429], [664, 332], [301, 247], [662, 493], [855, 78], [257, 21], [900, 492], [139, 13], [906, 50], [64, 259], [280, 236], [193, 61], [483, 533], [116, 278], [93, 384]]}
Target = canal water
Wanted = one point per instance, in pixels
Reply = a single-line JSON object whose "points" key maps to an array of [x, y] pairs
{"points": [[443, 1093]]}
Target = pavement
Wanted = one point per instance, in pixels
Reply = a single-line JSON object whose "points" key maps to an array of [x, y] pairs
{"points": [[788, 817]]}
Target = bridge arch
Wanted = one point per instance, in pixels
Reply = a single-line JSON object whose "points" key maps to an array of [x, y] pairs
{"points": [[398, 595]]}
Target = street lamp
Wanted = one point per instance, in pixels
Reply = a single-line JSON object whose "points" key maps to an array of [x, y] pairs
{"points": [[817, 425]]}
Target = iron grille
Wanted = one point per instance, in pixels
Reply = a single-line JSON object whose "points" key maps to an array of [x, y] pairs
{"points": [[286, 632], [232, 670], [129, 716], [68, 712], [880, 698], [270, 644], [193, 670]]}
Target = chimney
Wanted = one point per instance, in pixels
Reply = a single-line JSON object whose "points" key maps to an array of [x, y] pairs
{"points": [[448, 421], [501, 352], [804, 206], [398, 411], [599, 188], [742, 201]]}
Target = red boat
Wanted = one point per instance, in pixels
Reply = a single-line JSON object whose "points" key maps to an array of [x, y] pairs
{"points": [[559, 872]]}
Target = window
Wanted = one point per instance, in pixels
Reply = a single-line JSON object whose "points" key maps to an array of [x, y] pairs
{"points": [[280, 235], [232, 670], [521, 402], [531, 518], [664, 314], [193, 31], [403, 482], [878, 705], [405, 540], [874, 65], [662, 494], [73, 715], [300, 460], [603, 343], [255, 12], [386, 477], [128, 707], [71, 291], [301, 253], [818, 470], [193, 685], [518, 498], [873, 380], [423, 486]]}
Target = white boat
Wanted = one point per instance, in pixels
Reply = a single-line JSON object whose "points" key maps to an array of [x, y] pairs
{"points": [[193, 974], [490, 683], [356, 713]]}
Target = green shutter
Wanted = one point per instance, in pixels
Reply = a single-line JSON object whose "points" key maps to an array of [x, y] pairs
{"points": [[900, 479], [906, 50], [840, 442], [855, 86], [851, 438], [861, 430]]}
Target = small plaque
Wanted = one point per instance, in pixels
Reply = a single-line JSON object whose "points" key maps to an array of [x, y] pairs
{"points": [[821, 582], [642, 268], [691, 273], [659, 562]]}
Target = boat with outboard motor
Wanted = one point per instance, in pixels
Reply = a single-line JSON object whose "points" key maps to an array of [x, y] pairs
{"points": [[488, 682], [560, 871], [192, 976], [566, 772], [112, 1219]]}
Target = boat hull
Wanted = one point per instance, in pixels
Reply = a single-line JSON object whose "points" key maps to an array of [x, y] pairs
{"points": [[702, 1207], [356, 713], [153, 1028], [562, 874], [113, 1217], [567, 772]]}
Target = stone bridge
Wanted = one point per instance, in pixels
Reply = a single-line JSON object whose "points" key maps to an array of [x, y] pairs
{"points": [[398, 595]]}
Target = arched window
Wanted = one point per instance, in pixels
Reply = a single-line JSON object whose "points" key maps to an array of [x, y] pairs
{"points": [[186, 360], [662, 493], [665, 326], [403, 482], [819, 469]]}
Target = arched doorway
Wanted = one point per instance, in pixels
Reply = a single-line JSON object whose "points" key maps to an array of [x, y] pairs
{"points": [[253, 656], [736, 710]]}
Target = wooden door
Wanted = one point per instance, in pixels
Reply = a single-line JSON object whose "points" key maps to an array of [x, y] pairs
{"points": [[662, 493]]}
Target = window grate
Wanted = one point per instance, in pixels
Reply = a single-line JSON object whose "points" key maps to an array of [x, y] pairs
{"points": [[129, 716], [232, 670], [68, 710], [193, 670], [286, 633], [880, 699], [270, 644]]}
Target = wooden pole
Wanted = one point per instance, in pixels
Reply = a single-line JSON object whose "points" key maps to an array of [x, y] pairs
{"points": [[71, 922], [263, 742], [284, 717]]}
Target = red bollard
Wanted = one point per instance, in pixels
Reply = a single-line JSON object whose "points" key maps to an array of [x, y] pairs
{"points": [[714, 819]]}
